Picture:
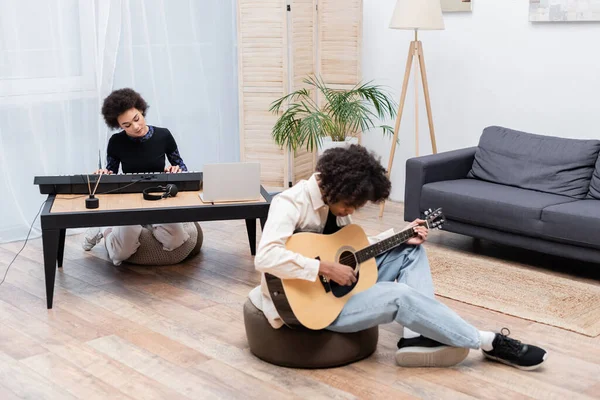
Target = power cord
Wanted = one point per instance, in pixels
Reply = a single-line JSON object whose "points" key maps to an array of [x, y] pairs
{"points": [[28, 233], [38, 213], [110, 191]]}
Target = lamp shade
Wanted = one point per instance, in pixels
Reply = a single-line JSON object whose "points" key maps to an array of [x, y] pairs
{"points": [[418, 14]]}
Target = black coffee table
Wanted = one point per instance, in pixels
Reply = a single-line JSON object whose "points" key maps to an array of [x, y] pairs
{"points": [[62, 212]]}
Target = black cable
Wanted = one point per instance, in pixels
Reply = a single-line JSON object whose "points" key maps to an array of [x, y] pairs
{"points": [[28, 233], [38, 213], [110, 191], [114, 190]]}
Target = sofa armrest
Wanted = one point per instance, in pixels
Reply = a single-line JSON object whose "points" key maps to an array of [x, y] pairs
{"points": [[445, 166]]}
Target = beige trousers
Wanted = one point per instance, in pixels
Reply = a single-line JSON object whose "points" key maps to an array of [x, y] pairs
{"points": [[124, 241]]}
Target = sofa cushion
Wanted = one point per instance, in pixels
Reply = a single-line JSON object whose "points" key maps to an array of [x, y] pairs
{"points": [[488, 204], [575, 222], [544, 163], [594, 192]]}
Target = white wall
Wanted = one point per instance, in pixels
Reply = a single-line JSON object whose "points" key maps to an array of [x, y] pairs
{"points": [[488, 67]]}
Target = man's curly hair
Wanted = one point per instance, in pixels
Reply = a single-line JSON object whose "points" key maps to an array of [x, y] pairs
{"points": [[352, 175], [120, 101]]}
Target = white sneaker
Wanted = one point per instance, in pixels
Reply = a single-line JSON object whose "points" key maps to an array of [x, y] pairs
{"points": [[424, 352], [92, 237]]}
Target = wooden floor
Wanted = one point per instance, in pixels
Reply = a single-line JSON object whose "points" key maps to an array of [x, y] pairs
{"points": [[177, 332]]}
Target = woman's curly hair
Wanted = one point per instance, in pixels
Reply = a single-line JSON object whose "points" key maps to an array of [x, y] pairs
{"points": [[352, 175], [120, 101]]}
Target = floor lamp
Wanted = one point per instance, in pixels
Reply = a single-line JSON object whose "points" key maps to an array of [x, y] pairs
{"points": [[415, 15]]}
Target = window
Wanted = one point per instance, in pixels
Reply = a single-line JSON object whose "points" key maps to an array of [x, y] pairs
{"points": [[54, 52]]}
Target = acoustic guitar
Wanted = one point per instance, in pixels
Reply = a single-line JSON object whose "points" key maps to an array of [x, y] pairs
{"points": [[315, 305]]}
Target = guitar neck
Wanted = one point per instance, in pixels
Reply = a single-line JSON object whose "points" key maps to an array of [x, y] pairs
{"points": [[384, 245]]}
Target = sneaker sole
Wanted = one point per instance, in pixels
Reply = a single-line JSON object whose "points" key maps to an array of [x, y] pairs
{"points": [[530, 368], [87, 245], [431, 357]]}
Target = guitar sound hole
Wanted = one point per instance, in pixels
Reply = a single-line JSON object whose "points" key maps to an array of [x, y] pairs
{"points": [[346, 258]]}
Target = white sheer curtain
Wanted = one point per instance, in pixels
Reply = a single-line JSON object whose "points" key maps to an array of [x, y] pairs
{"points": [[60, 58]]}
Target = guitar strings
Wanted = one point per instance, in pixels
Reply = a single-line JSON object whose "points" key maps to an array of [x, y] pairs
{"points": [[353, 257]]}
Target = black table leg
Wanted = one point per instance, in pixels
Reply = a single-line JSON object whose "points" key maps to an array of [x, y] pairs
{"points": [[50, 239], [251, 228], [263, 221], [61, 247]]}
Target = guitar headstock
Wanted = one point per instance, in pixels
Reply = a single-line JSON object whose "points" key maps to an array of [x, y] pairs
{"points": [[434, 219]]}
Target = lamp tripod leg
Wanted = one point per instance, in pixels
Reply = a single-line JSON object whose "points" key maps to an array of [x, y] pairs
{"points": [[416, 98], [409, 62], [421, 58]]}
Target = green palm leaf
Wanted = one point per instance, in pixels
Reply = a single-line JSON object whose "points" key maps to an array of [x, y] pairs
{"points": [[344, 113]]}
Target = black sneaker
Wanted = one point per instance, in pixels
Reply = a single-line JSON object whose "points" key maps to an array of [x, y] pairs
{"points": [[425, 352], [512, 352]]}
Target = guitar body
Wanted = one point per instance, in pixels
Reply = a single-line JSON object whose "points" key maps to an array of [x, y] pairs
{"points": [[315, 305]]}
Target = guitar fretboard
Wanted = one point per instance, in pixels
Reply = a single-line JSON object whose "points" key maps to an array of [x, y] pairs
{"points": [[384, 245]]}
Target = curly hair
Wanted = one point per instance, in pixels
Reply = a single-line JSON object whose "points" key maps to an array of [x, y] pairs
{"points": [[120, 101], [352, 175]]}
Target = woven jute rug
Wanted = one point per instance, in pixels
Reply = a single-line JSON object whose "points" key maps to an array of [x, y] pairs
{"points": [[516, 290]]}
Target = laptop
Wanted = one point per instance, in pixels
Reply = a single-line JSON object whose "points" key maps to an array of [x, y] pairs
{"points": [[226, 182]]}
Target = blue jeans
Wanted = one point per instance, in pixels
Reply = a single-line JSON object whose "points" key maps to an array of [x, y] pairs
{"points": [[410, 301]]}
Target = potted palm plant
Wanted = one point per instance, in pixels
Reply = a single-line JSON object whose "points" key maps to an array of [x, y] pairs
{"points": [[337, 122]]}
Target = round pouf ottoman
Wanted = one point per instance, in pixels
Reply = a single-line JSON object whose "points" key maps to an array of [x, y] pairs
{"points": [[151, 251], [305, 348]]}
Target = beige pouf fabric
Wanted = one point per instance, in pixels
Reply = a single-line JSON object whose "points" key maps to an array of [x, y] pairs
{"points": [[304, 348], [151, 251]]}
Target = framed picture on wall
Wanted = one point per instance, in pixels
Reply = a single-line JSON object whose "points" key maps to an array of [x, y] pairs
{"points": [[456, 5], [564, 10]]}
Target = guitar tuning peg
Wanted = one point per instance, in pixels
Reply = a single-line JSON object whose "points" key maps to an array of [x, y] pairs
{"points": [[426, 212]]}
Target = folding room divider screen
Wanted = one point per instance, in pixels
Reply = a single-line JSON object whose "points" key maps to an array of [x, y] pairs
{"points": [[280, 42]]}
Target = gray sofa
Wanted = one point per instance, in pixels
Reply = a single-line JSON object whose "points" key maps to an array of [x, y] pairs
{"points": [[532, 191]]}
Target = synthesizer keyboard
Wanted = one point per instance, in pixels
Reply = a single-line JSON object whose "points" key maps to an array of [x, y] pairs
{"points": [[117, 183]]}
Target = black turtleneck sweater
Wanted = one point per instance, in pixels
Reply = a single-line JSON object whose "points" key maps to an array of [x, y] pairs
{"points": [[145, 154]]}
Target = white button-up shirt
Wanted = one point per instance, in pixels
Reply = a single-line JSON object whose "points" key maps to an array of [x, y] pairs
{"points": [[298, 209]]}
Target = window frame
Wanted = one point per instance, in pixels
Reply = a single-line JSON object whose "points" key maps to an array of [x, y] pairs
{"points": [[76, 83]]}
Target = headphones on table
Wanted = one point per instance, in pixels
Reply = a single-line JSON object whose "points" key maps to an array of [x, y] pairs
{"points": [[169, 190]]}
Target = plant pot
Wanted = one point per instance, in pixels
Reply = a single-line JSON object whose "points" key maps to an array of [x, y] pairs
{"points": [[327, 144]]}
